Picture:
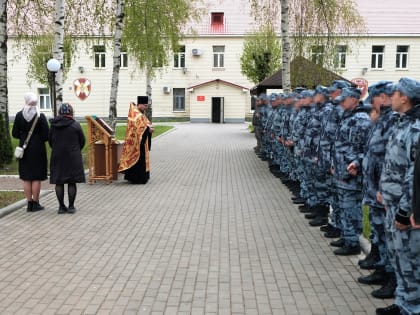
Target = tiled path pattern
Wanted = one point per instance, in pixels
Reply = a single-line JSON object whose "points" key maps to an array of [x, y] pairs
{"points": [[213, 232]]}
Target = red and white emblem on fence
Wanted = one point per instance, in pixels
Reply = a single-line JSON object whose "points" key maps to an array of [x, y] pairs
{"points": [[82, 88]]}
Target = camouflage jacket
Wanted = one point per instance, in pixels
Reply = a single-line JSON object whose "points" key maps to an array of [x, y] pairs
{"points": [[396, 183], [375, 155], [330, 115], [349, 147]]}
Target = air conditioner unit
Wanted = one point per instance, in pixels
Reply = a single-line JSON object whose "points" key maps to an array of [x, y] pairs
{"points": [[166, 89], [197, 52]]}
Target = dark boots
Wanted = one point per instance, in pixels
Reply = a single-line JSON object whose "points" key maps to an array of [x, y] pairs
{"points": [[319, 216], [379, 276], [34, 206], [371, 259], [389, 310], [387, 291]]}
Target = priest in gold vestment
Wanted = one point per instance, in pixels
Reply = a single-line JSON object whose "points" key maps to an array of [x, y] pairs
{"points": [[134, 161]]}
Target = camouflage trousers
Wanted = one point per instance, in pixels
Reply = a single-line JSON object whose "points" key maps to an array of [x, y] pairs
{"points": [[265, 144], [277, 149], [301, 176], [377, 235], [350, 205], [318, 184], [258, 137], [404, 254], [286, 160], [335, 216]]}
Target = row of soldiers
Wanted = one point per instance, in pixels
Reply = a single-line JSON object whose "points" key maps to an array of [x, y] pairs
{"points": [[337, 153]]}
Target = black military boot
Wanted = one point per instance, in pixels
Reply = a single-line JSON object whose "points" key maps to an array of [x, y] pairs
{"points": [[305, 208], [299, 201], [322, 217], [348, 250], [393, 309], [370, 261], [327, 227], [379, 276], [333, 233], [338, 243], [316, 212], [387, 291]]}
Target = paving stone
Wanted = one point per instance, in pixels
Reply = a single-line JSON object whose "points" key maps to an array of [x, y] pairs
{"points": [[213, 232]]}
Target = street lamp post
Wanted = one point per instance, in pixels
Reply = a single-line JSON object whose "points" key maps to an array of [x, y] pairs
{"points": [[53, 65]]}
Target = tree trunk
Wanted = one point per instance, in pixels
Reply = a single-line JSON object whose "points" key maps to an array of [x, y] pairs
{"points": [[58, 48], [6, 145], [119, 19], [3, 57], [149, 111], [285, 46]]}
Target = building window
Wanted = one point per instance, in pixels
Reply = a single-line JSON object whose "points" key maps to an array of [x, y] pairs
{"points": [[218, 56], [217, 18], [340, 58], [179, 100], [179, 58], [317, 54], [44, 99], [124, 59], [401, 57], [377, 61], [99, 52]]}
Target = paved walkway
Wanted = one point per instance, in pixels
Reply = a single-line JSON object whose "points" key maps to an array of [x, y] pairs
{"points": [[213, 232]]}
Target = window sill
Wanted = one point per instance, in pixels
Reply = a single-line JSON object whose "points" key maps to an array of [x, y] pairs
{"points": [[401, 69], [218, 69], [179, 111]]}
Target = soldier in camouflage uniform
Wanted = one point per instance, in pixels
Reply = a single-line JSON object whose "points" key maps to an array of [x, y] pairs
{"points": [[396, 188], [380, 97], [266, 111], [285, 132], [347, 159], [331, 115], [274, 130], [299, 125], [318, 200], [256, 122]]}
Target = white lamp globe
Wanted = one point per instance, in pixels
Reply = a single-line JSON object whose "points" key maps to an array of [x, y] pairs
{"points": [[53, 65]]}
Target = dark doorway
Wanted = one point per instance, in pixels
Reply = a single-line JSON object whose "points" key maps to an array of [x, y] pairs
{"points": [[217, 110]]}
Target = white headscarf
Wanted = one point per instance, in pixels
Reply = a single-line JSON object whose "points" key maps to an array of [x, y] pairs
{"points": [[30, 109]]}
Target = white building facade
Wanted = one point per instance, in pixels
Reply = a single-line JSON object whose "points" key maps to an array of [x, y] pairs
{"points": [[203, 82]]}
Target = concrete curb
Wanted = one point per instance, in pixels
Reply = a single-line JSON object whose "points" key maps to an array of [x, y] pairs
{"points": [[18, 205]]}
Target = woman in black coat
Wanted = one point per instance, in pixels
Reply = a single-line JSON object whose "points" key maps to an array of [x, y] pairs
{"points": [[66, 139], [33, 164]]}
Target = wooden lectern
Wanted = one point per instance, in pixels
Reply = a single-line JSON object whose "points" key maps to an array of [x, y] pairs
{"points": [[100, 160]]}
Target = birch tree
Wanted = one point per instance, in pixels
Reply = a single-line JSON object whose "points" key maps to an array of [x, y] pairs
{"points": [[313, 24], [119, 20], [5, 141], [285, 40], [58, 48], [152, 30]]}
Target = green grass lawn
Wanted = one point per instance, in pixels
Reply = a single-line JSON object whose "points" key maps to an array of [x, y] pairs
{"points": [[12, 168]]}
